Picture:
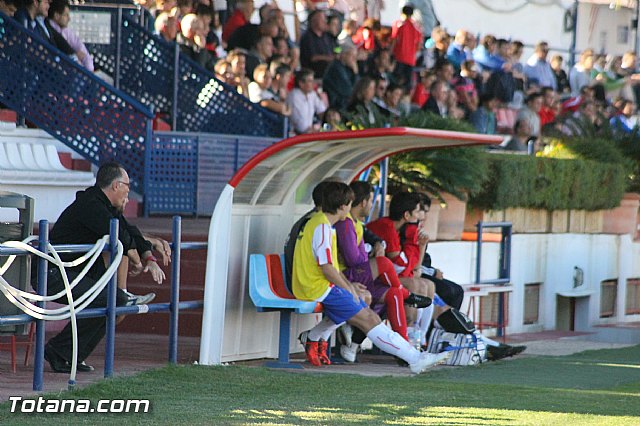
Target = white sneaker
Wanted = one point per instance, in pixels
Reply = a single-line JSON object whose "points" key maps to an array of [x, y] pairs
{"points": [[139, 300], [428, 360], [347, 333], [349, 352]]}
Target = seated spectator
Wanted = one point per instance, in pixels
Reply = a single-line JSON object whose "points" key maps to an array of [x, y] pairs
{"points": [[222, 71], [259, 54], [444, 72], [583, 121], [548, 110], [453, 108], [374, 270], [361, 105], [421, 91], [316, 51], [436, 47], [349, 28], [32, 14], [281, 77], [247, 36], [457, 54], [380, 91], [625, 121], [205, 14], [392, 100], [340, 78], [484, 118], [531, 113], [304, 103], [562, 81], [8, 7], [332, 120], [486, 54], [437, 102], [519, 142], [260, 91], [465, 86], [333, 30], [193, 42], [166, 26], [238, 60], [407, 40], [59, 18], [580, 73], [314, 272], [538, 69], [382, 65], [239, 18]]}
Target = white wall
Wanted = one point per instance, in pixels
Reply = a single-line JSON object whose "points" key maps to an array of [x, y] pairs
{"points": [[536, 258]]}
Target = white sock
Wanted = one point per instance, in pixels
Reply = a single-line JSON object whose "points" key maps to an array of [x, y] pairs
{"points": [[487, 341], [425, 322], [323, 329], [392, 343]]}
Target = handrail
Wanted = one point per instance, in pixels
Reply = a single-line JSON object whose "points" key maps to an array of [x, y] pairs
{"points": [[58, 95], [173, 307]]}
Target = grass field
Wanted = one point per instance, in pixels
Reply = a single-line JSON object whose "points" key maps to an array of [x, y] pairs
{"points": [[590, 388]]}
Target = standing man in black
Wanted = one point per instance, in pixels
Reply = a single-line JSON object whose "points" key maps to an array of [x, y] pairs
{"points": [[85, 221]]}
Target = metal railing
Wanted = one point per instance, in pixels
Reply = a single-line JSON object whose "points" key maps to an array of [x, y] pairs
{"points": [[111, 310], [58, 95], [160, 76]]}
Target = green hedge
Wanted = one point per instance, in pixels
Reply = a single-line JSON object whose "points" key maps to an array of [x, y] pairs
{"points": [[550, 183]]}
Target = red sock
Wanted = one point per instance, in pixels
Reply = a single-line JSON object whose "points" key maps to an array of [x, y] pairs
{"points": [[395, 311], [388, 274]]}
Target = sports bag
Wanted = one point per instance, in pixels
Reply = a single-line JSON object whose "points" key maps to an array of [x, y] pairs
{"points": [[454, 321], [467, 349]]}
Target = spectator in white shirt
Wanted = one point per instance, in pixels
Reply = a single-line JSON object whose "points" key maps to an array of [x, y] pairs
{"points": [[305, 103]]}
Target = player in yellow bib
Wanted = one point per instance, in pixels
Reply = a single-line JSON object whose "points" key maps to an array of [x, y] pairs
{"points": [[316, 277]]}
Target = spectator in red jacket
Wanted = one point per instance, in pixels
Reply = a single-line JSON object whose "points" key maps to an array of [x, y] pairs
{"points": [[407, 39], [240, 18]]}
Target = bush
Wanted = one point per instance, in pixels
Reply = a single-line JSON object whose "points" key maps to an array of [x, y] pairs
{"points": [[551, 184], [458, 171]]}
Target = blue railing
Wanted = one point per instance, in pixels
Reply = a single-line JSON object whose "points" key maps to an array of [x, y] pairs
{"points": [[504, 262], [155, 72], [190, 170], [55, 93], [110, 311]]}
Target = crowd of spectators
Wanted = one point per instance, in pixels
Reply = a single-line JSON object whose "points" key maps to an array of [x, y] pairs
{"points": [[347, 68]]}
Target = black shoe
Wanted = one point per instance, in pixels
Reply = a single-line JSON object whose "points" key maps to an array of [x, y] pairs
{"points": [[57, 363], [84, 367], [417, 301], [495, 353]]}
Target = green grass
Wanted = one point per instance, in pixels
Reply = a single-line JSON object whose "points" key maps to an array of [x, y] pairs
{"points": [[594, 387]]}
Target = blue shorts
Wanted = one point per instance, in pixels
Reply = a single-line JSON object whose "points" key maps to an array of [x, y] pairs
{"points": [[340, 306]]}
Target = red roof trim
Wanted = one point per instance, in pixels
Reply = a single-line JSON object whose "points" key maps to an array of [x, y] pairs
{"points": [[358, 134]]}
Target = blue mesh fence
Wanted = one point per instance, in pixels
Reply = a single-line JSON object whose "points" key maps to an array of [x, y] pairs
{"points": [[173, 174], [105, 52], [61, 97], [146, 70]]}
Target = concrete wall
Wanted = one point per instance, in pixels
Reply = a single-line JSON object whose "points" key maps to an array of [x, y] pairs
{"points": [[548, 259]]}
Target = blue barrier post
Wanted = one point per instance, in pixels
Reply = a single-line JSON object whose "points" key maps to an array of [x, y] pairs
{"points": [[38, 363], [384, 175], [175, 290], [479, 225], [111, 303]]}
